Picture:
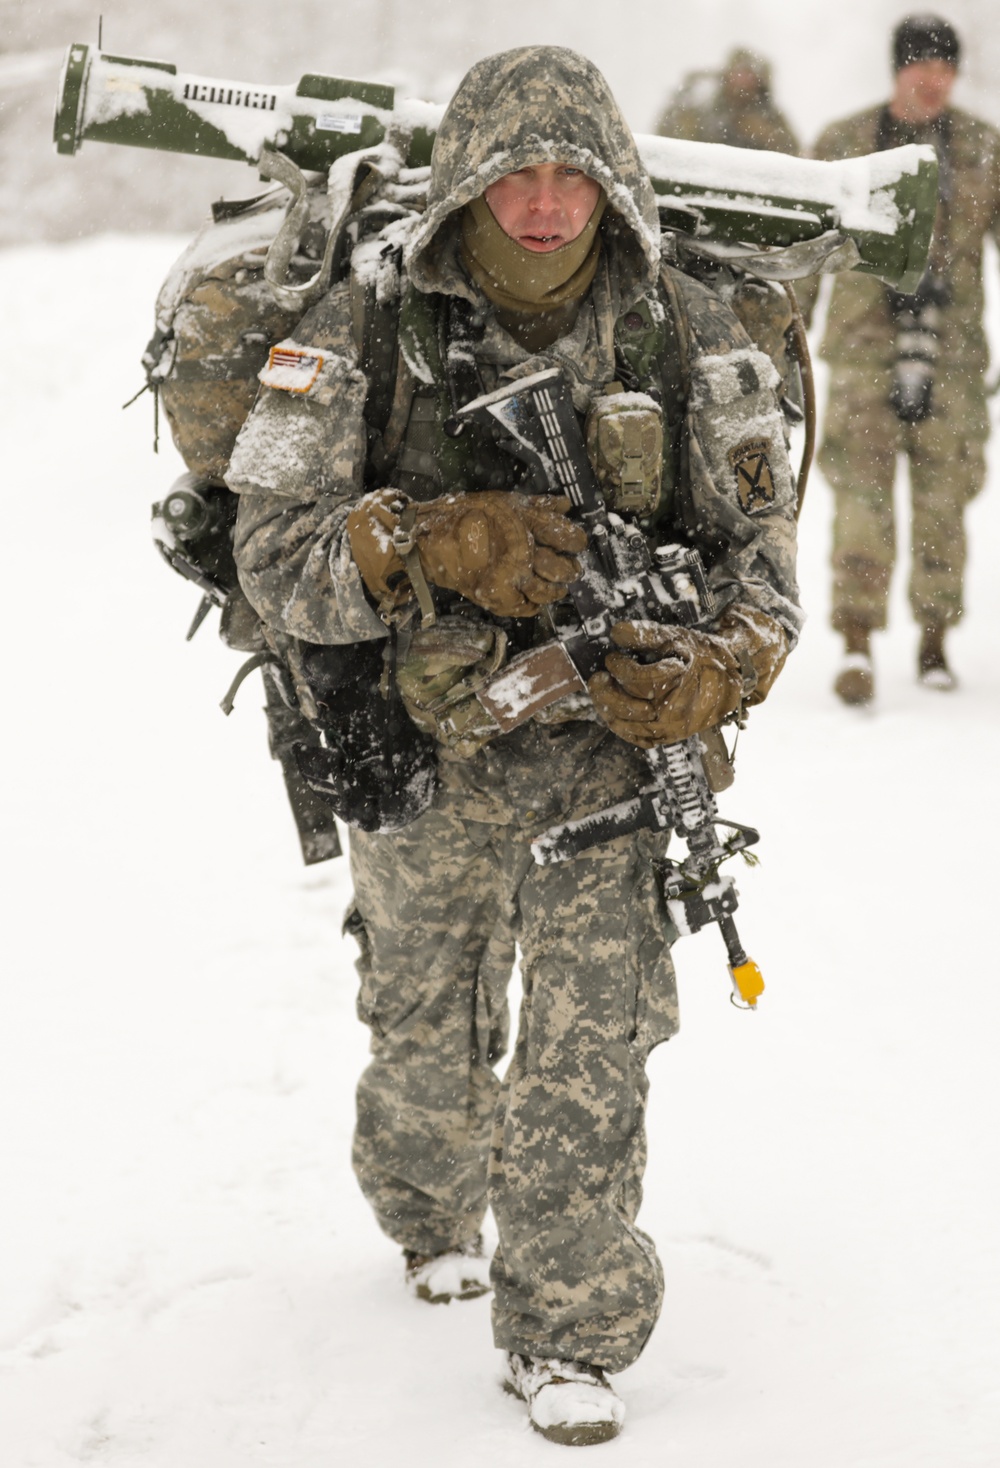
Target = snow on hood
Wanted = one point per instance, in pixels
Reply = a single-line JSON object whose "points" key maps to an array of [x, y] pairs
{"points": [[538, 104]]}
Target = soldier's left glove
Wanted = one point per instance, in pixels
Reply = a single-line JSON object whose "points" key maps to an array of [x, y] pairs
{"points": [[697, 678]]}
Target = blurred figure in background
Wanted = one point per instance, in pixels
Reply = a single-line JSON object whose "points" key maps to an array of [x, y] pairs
{"points": [[731, 106], [908, 372]]}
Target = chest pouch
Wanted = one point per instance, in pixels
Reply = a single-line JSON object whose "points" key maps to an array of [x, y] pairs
{"points": [[439, 674], [624, 432]]}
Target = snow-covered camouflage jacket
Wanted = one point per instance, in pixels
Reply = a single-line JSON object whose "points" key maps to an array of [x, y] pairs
{"points": [[306, 452]]}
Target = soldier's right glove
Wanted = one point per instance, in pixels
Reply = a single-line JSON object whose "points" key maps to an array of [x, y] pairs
{"points": [[509, 553], [697, 679]]}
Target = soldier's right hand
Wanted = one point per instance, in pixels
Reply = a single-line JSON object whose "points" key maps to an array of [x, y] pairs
{"points": [[509, 553]]}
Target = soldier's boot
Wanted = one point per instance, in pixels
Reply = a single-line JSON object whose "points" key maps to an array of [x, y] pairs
{"points": [[569, 1402], [461, 1273], [855, 681], [932, 665]]}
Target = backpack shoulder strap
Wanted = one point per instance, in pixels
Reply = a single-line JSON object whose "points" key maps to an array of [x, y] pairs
{"points": [[649, 353], [376, 299]]}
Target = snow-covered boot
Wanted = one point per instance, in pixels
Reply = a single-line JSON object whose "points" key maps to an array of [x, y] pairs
{"points": [[461, 1273], [568, 1402], [932, 665], [855, 680]]}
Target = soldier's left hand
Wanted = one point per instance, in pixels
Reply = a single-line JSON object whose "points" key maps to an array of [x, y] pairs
{"points": [[695, 679]]}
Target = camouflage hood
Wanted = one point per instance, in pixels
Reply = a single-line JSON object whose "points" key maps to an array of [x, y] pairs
{"points": [[742, 59], [537, 104]]}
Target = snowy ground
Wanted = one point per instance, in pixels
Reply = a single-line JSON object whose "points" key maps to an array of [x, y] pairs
{"points": [[188, 1275]]}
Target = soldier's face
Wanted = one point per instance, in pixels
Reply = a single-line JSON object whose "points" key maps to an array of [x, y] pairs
{"points": [[544, 206], [740, 84], [923, 90]]}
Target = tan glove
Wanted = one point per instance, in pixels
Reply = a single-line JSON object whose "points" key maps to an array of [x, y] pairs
{"points": [[509, 553], [697, 679], [371, 524]]}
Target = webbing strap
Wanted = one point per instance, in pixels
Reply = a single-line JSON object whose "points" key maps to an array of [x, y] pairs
{"points": [[244, 671], [405, 543], [804, 360], [344, 197]]}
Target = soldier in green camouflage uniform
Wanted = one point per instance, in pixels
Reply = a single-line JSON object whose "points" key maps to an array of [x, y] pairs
{"points": [[733, 106], [867, 334], [559, 1153]]}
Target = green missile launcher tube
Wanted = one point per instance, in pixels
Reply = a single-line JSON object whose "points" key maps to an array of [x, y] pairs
{"points": [[150, 104], [874, 214]]}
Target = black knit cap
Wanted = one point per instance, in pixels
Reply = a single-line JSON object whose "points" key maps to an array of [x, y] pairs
{"points": [[924, 38]]}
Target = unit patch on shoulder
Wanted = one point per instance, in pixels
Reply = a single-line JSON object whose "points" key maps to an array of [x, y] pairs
{"points": [[292, 369], [754, 482]]}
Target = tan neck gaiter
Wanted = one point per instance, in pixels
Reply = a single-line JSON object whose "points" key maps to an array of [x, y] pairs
{"points": [[516, 279]]}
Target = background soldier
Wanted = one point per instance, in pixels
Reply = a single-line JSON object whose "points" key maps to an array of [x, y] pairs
{"points": [[531, 254], [907, 372], [731, 106]]}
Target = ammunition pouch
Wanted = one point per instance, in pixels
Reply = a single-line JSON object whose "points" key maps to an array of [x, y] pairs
{"points": [[624, 436], [456, 684]]}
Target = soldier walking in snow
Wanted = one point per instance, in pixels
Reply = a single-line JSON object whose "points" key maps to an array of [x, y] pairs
{"points": [[413, 535], [907, 372]]}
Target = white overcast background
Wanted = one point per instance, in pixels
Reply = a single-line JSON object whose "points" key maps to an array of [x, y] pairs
{"points": [[188, 1274]]}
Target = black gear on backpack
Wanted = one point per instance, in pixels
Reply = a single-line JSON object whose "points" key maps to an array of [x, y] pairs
{"points": [[336, 724]]}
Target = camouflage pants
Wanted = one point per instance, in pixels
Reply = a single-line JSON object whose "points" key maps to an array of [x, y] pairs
{"points": [[861, 442], [558, 1152]]}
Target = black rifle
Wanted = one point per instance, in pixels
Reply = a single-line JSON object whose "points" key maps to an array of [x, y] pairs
{"points": [[621, 581]]}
